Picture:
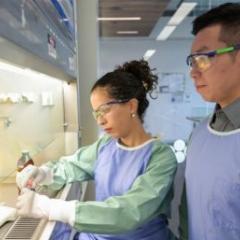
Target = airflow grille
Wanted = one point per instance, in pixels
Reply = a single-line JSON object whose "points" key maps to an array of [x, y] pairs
{"points": [[4, 229], [23, 229]]}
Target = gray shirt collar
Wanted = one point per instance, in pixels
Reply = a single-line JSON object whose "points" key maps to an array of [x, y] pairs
{"points": [[232, 112]]}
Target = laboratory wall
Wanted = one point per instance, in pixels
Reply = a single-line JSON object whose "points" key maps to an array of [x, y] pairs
{"points": [[167, 115]]}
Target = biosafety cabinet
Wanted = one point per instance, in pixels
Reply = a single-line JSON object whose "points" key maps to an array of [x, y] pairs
{"points": [[38, 114], [38, 98]]}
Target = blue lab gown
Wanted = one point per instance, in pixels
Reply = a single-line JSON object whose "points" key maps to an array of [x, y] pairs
{"points": [[133, 189], [213, 184]]}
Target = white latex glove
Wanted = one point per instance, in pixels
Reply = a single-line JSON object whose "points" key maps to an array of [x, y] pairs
{"points": [[32, 204], [31, 176], [7, 214]]}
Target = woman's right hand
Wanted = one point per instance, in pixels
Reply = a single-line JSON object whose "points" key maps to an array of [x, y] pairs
{"points": [[31, 176]]}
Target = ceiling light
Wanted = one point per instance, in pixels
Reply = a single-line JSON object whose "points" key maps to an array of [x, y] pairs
{"points": [[127, 32], [10, 68], [19, 70], [166, 32], [149, 53], [181, 13], [119, 18]]}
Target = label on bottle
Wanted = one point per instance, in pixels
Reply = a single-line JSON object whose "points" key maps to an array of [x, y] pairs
{"points": [[21, 167]]}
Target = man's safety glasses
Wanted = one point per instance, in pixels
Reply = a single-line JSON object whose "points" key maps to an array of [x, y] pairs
{"points": [[202, 61], [106, 107]]}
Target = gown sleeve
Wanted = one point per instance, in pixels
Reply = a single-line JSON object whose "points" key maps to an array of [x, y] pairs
{"points": [[149, 196], [76, 167]]}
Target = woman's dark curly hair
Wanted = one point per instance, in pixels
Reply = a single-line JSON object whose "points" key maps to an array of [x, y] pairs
{"points": [[133, 79]]}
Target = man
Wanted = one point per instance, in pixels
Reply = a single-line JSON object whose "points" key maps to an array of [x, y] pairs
{"points": [[212, 175]]}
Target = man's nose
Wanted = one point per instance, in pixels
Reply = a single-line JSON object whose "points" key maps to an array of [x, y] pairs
{"points": [[195, 73]]}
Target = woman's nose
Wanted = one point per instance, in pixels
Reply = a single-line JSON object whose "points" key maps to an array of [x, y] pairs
{"points": [[101, 120]]}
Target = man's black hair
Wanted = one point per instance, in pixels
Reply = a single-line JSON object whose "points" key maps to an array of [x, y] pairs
{"points": [[227, 15]]}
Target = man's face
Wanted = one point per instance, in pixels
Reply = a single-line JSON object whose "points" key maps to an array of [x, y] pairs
{"points": [[220, 82]]}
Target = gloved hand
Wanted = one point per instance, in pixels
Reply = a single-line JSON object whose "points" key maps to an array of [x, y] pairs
{"points": [[32, 204], [7, 214], [31, 176]]}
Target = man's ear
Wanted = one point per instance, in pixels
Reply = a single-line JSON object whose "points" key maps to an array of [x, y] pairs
{"points": [[238, 57]]}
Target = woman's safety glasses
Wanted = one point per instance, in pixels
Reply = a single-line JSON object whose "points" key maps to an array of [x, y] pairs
{"points": [[106, 107], [203, 61]]}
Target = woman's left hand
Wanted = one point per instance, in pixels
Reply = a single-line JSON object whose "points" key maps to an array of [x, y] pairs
{"points": [[32, 204]]}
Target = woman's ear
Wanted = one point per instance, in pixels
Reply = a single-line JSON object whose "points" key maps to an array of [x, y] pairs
{"points": [[133, 105]]}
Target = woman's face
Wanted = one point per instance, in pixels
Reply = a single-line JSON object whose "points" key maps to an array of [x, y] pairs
{"points": [[112, 116]]}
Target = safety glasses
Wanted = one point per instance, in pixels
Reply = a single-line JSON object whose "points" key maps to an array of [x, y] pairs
{"points": [[203, 61], [106, 107]]}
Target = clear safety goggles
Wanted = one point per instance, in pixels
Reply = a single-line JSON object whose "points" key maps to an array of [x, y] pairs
{"points": [[203, 61], [106, 107]]}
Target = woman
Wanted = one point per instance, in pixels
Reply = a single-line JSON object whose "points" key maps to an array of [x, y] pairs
{"points": [[133, 171]]}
